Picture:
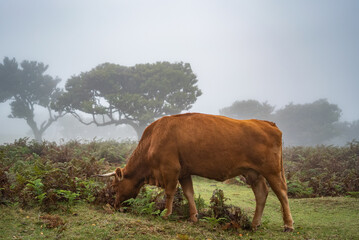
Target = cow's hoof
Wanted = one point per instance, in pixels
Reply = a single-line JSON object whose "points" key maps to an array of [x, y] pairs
{"points": [[288, 229], [255, 227]]}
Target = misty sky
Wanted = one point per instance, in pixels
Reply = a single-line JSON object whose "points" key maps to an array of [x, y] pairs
{"points": [[275, 51]]}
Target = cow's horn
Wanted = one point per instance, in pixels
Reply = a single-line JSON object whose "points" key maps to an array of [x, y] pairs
{"points": [[110, 175], [106, 175]]}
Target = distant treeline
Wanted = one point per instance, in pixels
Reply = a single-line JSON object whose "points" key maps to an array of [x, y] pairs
{"points": [[302, 124], [112, 95]]}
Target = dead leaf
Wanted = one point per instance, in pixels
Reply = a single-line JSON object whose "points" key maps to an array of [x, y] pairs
{"points": [[232, 224], [52, 221], [108, 209]]}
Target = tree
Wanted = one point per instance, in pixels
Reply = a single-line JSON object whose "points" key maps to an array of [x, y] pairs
{"points": [[114, 94], [347, 132], [27, 86], [352, 131], [247, 109], [308, 124]]}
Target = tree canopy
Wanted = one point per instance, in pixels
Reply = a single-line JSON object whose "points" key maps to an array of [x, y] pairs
{"points": [[137, 95], [301, 124], [308, 124], [247, 109], [27, 86]]}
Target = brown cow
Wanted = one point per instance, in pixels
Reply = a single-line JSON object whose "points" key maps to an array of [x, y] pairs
{"points": [[175, 147]]}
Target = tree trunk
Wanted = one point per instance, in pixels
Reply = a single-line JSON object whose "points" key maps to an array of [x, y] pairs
{"points": [[37, 133], [38, 136], [139, 130]]}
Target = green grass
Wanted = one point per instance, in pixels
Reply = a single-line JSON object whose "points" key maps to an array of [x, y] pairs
{"points": [[317, 218]]}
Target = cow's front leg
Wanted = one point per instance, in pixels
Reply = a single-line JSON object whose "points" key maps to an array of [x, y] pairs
{"points": [[170, 190]]}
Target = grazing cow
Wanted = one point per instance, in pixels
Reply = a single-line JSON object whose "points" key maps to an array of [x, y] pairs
{"points": [[175, 147]]}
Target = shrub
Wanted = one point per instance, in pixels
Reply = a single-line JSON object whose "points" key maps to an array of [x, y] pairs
{"points": [[233, 216], [37, 188], [151, 201], [322, 170], [299, 189], [46, 173], [69, 197], [144, 203]]}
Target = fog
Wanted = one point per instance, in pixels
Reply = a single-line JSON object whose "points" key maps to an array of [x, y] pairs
{"points": [[275, 51]]}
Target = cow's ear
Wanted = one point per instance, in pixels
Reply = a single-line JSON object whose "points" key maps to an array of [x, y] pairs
{"points": [[119, 174]]}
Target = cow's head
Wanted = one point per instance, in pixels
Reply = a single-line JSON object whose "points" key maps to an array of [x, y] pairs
{"points": [[124, 187]]}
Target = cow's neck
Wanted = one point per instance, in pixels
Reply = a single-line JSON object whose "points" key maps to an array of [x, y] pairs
{"points": [[136, 168]]}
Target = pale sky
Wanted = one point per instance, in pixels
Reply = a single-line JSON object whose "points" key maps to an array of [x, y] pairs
{"points": [[277, 51]]}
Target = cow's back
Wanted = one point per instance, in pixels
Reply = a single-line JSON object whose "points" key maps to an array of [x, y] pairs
{"points": [[215, 147]]}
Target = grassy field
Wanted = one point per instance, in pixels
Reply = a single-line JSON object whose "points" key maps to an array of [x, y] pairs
{"points": [[316, 218]]}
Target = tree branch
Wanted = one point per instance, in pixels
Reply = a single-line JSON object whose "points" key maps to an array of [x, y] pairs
{"points": [[51, 119], [94, 121]]}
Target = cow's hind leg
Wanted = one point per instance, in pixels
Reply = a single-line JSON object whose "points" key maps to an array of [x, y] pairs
{"points": [[260, 189], [279, 186], [187, 187]]}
